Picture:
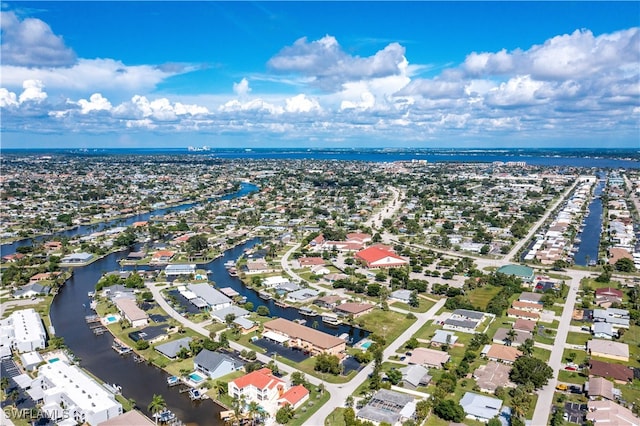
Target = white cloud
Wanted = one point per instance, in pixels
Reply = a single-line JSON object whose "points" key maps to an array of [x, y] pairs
{"points": [[330, 67], [301, 103], [31, 43], [367, 101], [7, 98], [95, 103], [242, 88], [33, 91], [255, 105]]}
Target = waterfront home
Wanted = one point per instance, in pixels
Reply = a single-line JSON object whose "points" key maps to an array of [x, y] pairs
{"points": [[221, 314], [76, 258], [387, 406], [174, 270], [245, 325], [215, 364], [214, 299], [429, 358], [479, 407], [31, 290], [328, 302], [275, 281], [133, 417], [171, 349], [162, 257], [31, 360], [44, 276], [302, 295], [617, 372], [257, 266], [85, 401], [380, 257], [506, 354], [23, 331], [608, 349], [131, 312], [607, 412], [259, 386], [305, 338], [355, 309], [295, 397]]}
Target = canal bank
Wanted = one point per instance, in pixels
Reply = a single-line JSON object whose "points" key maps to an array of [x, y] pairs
{"points": [[589, 246]]}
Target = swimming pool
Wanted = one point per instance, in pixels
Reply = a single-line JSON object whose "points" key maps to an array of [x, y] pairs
{"points": [[111, 319], [52, 360], [366, 345], [196, 377]]}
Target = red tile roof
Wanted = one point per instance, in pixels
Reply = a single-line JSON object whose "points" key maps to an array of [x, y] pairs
{"points": [[610, 370], [374, 253], [260, 379], [295, 394]]}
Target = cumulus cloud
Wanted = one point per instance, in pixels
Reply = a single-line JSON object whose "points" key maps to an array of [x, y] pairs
{"points": [[242, 88], [33, 91], [32, 43], [95, 103], [301, 103], [7, 98], [574, 55], [326, 63]]}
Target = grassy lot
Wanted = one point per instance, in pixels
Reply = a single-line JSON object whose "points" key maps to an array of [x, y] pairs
{"points": [[315, 401], [632, 338], [480, 297], [581, 356], [389, 324], [548, 337], [578, 338], [571, 377], [541, 354], [336, 418], [424, 306]]}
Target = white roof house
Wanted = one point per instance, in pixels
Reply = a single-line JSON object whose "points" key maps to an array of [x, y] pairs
{"points": [[183, 269], [83, 398], [480, 407], [270, 282], [215, 299], [23, 331]]}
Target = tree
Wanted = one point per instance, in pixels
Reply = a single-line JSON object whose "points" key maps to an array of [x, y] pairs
{"points": [[142, 345], [228, 319], [413, 299], [156, 405], [557, 417], [412, 343], [494, 422], [298, 378], [253, 410], [248, 306], [511, 336], [449, 410], [284, 414], [527, 347], [422, 409], [394, 376], [263, 311], [625, 265], [198, 243], [530, 370], [327, 363], [485, 249]]}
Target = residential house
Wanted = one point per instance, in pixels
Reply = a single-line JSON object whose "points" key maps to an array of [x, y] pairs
{"points": [[619, 318], [259, 386], [606, 296], [527, 306], [599, 387], [480, 407], [506, 354], [133, 417], [162, 257], [401, 295], [429, 358], [305, 338], [355, 309], [295, 397], [603, 330], [276, 281], [608, 349], [524, 325], [492, 375], [607, 413], [530, 297], [174, 270], [414, 376], [308, 262], [387, 406], [517, 313], [215, 364], [302, 295], [502, 337], [443, 338], [31, 290], [245, 325], [171, 349], [221, 314], [464, 320], [328, 302], [214, 299], [617, 372], [131, 312], [525, 273]]}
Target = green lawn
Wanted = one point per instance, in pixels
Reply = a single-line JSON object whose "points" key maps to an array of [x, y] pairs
{"points": [[336, 418], [571, 377], [424, 306], [578, 338], [541, 354], [480, 297], [580, 356], [388, 324], [315, 401]]}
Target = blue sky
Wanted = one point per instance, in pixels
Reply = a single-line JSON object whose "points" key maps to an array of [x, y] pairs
{"points": [[344, 74]]}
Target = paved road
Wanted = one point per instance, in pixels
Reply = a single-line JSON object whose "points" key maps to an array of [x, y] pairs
{"points": [[545, 395]]}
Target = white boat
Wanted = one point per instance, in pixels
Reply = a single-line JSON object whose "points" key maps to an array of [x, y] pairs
{"points": [[196, 394], [173, 380], [307, 311], [164, 416], [331, 319], [229, 264]]}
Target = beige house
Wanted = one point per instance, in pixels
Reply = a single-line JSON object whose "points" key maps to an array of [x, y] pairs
{"points": [[609, 413], [608, 349], [131, 312], [428, 357], [305, 338]]}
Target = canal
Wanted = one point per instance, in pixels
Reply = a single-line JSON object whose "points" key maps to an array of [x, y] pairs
{"points": [[590, 236]]}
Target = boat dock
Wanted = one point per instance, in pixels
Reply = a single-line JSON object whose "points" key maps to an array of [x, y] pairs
{"points": [[95, 324], [120, 347]]}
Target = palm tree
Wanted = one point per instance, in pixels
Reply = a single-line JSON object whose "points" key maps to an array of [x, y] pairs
{"points": [[511, 335], [157, 405], [527, 347], [253, 409]]}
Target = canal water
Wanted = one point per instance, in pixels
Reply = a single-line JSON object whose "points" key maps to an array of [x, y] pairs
{"points": [[245, 189], [590, 236]]}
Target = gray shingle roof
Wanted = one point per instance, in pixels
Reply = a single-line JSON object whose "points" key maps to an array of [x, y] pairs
{"points": [[171, 349]]}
